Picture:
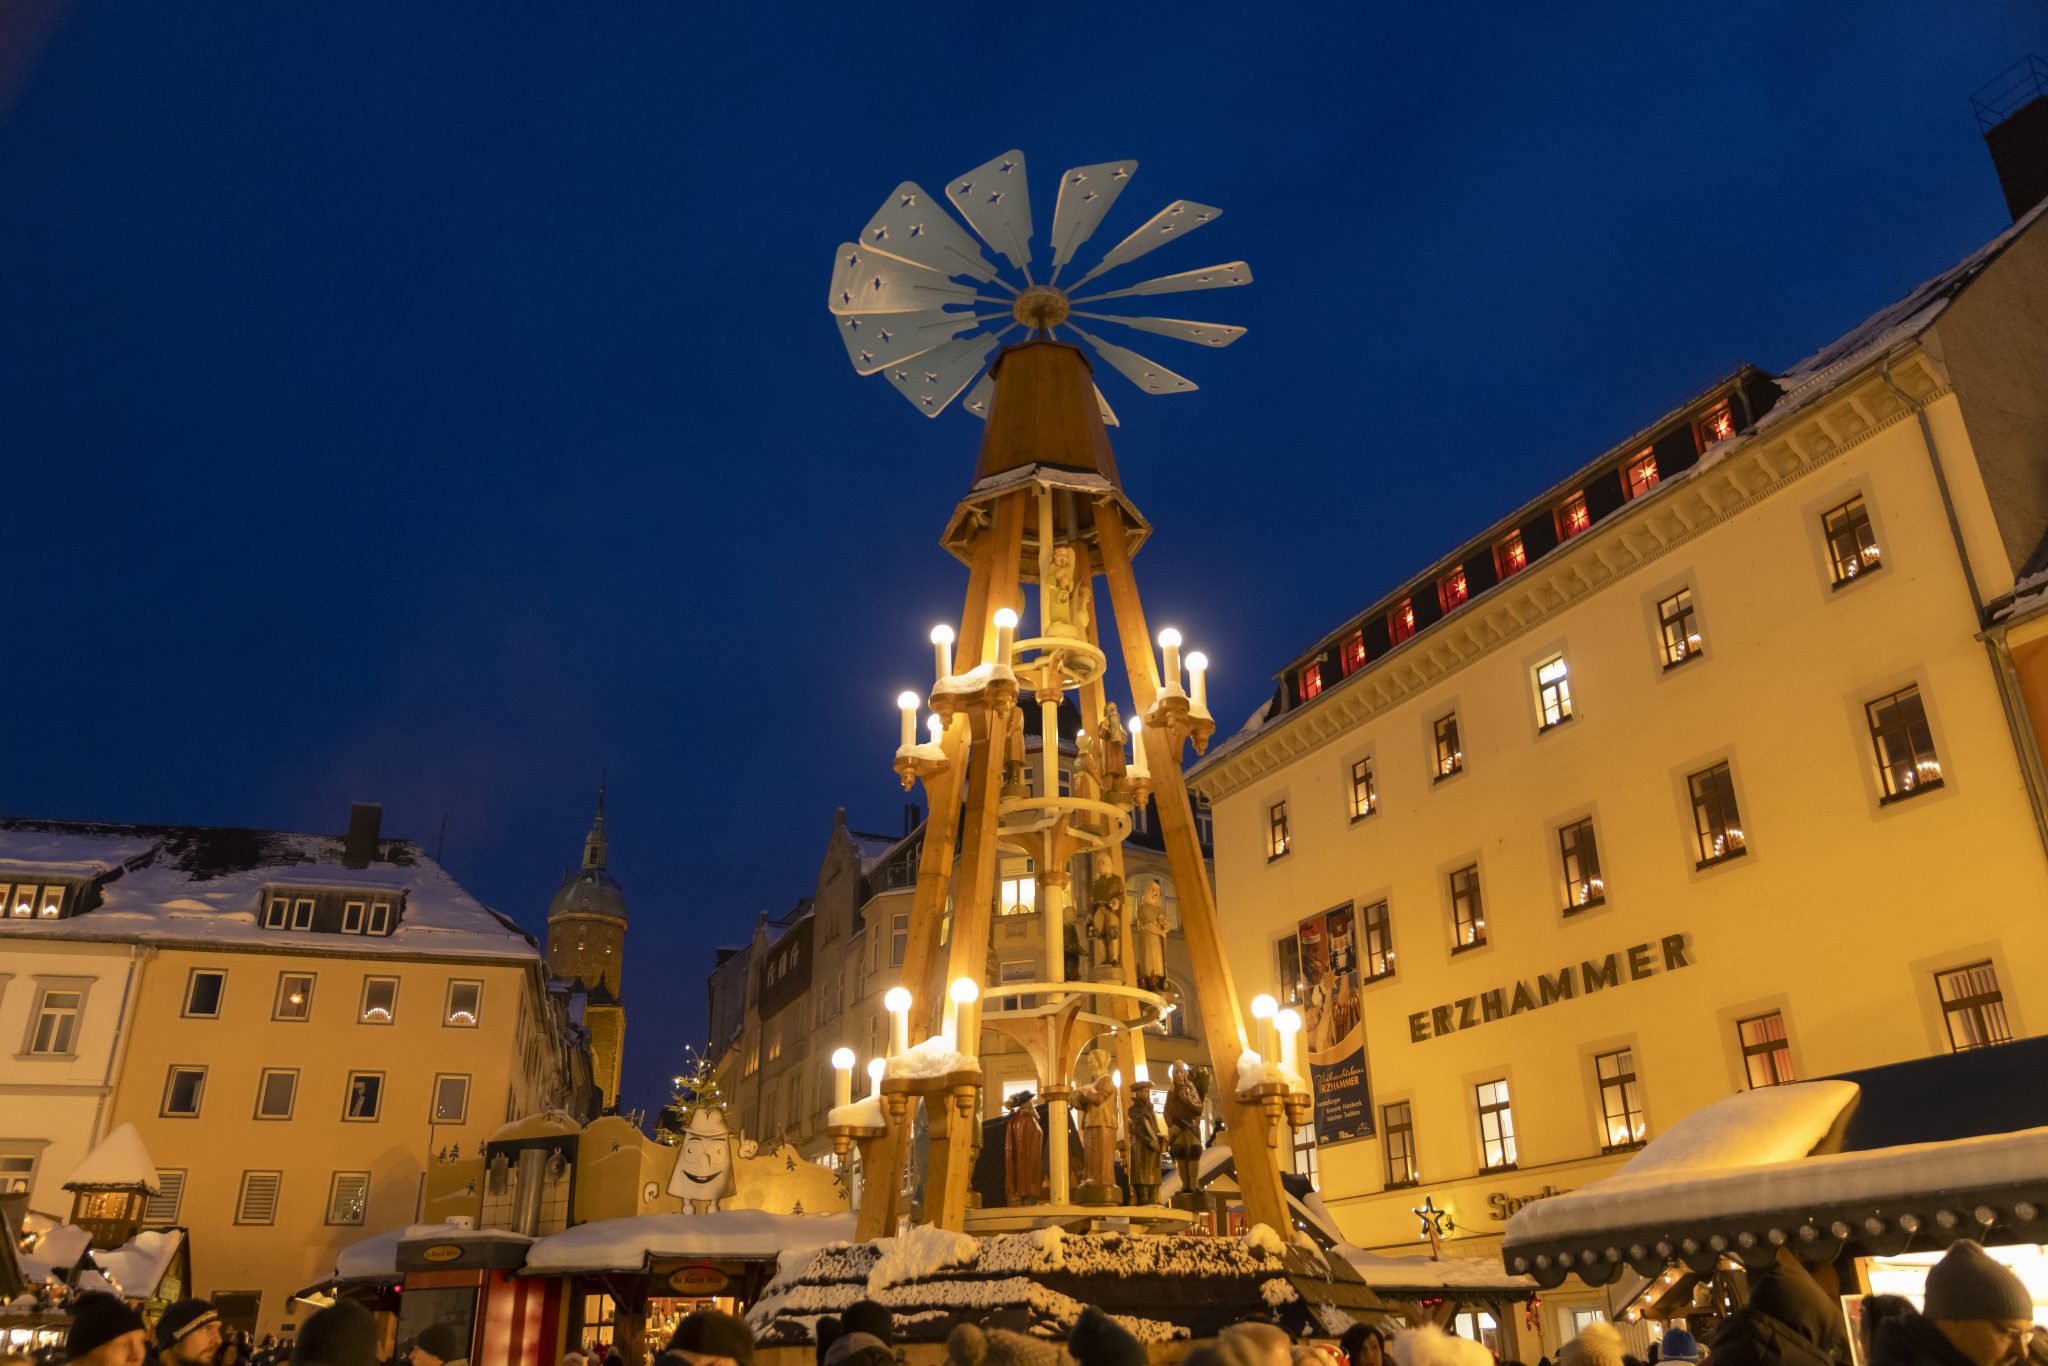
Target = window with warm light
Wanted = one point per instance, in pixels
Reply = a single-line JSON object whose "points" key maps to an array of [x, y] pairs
{"points": [[1678, 629], [1311, 682], [1451, 589], [1852, 543], [1579, 853], [1377, 928], [1017, 893], [1450, 753], [1621, 1099], [1401, 621], [348, 1196], [1277, 839], [1553, 693], [294, 996], [1508, 555], [1287, 952], [465, 1004], [1306, 1163], [1640, 474], [33, 900], [1573, 517], [1397, 1124], [1365, 797], [1496, 1125], [1353, 653], [1716, 426], [1906, 763], [1766, 1051], [380, 1001], [1716, 822], [1468, 911], [1973, 1007]]}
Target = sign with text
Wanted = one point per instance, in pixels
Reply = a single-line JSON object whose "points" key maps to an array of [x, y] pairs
{"points": [[1333, 1026]]}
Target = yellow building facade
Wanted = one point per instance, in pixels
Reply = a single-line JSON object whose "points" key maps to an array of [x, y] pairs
{"points": [[1733, 778]]}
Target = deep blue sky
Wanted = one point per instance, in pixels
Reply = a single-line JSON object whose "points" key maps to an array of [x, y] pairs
{"points": [[435, 403]]}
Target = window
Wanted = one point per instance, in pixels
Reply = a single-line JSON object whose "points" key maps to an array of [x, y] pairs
{"points": [[184, 1089], [1973, 1007], [1508, 555], [162, 1208], [1205, 820], [295, 997], [302, 913], [1277, 840], [1766, 1052], [1553, 693], [1715, 820], [1018, 970], [1451, 589], [257, 1202], [1397, 1122], [380, 1001], [899, 937], [54, 1032], [1306, 1163], [352, 917], [754, 1056], [365, 1096], [202, 993], [1468, 915], [1717, 426], [278, 913], [1352, 656], [17, 1172], [1678, 628], [1496, 1125], [1580, 853], [1311, 679], [348, 1197], [33, 900], [1904, 743], [1640, 474], [465, 1004], [1852, 545], [1288, 953], [1573, 517], [1401, 621], [1450, 752], [1621, 1099], [1018, 894], [275, 1092], [1365, 798], [1379, 941], [451, 1098], [380, 917]]}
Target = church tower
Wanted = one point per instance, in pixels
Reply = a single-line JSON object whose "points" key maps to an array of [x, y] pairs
{"points": [[586, 945]]}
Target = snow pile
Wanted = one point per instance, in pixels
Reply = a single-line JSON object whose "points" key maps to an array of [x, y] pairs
{"points": [[1050, 1244], [1277, 1293], [974, 680], [1261, 1238], [632, 1242], [923, 750], [921, 1252], [934, 1058], [118, 1160], [1251, 1070], [1748, 1129], [138, 1265], [861, 1114]]}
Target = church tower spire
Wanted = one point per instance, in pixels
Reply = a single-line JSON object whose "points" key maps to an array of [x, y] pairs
{"points": [[594, 846]]}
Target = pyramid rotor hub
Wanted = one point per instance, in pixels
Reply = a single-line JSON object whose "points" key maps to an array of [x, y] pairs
{"points": [[1041, 307]]}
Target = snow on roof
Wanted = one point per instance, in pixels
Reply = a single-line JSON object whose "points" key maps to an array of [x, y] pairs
{"points": [[138, 1265], [629, 1244], [873, 848], [119, 1159], [61, 1245], [1427, 1273], [206, 884], [374, 1258]]}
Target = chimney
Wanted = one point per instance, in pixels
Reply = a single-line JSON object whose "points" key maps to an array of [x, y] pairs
{"points": [[2012, 114], [359, 846]]}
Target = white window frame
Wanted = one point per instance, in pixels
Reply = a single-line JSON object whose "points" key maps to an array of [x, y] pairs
{"points": [[380, 918], [441, 1079], [171, 1075], [44, 987], [363, 1001], [476, 1013], [263, 1080], [352, 916], [220, 995], [277, 1010], [302, 913], [277, 913], [335, 1190], [348, 1098], [243, 1194]]}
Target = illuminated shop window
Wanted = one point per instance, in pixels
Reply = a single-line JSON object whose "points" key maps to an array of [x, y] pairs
{"points": [[1766, 1051], [1553, 693], [1496, 1125], [1468, 911], [1311, 682], [1573, 517], [1353, 655], [1973, 1007], [1397, 1123], [1451, 589], [1401, 621], [1640, 474], [1580, 855], [1716, 822], [1717, 426], [1621, 1099], [1450, 754], [1852, 544], [1906, 763], [1508, 555], [1678, 629], [1277, 839], [1364, 795]]}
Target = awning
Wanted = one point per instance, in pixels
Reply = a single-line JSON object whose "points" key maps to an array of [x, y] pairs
{"points": [[637, 1241], [1913, 1155]]}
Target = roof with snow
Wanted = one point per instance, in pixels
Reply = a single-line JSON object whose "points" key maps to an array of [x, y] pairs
{"points": [[638, 1241], [119, 1159], [206, 884]]}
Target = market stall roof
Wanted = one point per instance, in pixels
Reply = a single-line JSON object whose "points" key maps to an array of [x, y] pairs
{"points": [[637, 1241], [1915, 1154], [137, 1267], [118, 1160]]}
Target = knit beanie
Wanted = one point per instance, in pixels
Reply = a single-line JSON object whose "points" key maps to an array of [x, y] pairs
{"points": [[1598, 1344], [1678, 1345], [711, 1333], [1265, 1342], [182, 1318], [866, 1316], [342, 1334], [442, 1341], [1099, 1340], [97, 1318], [859, 1349], [1968, 1284], [972, 1345]]}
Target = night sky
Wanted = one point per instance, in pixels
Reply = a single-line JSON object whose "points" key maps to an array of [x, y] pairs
{"points": [[436, 403]]}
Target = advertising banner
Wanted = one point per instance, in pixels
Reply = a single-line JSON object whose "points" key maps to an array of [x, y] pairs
{"points": [[1333, 1026]]}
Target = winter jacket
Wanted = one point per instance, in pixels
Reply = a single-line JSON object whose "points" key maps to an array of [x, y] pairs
{"points": [[1913, 1340], [1787, 1322]]}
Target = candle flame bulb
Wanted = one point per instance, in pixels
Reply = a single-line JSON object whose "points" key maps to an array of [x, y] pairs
{"points": [[897, 1003], [1139, 767], [942, 649], [1198, 681], [935, 727], [1006, 634], [876, 1067], [1264, 1007], [907, 701], [965, 990], [1169, 641], [842, 1076]]}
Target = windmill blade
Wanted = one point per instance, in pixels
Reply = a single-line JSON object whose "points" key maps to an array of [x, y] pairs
{"points": [[884, 339], [982, 398], [866, 281], [1208, 277], [1148, 375], [1086, 192], [1205, 334], [912, 226], [1108, 413], [1177, 219], [996, 203], [934, 379]]}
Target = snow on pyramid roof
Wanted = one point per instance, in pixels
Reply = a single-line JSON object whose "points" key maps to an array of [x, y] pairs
{"points": [[119, 1160]]}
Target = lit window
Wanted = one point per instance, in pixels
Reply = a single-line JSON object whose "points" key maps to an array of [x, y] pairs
{"points": [[1379, 941], [465, 1004], [1496, 1125], [1401, 621], [1306, 1163], [899, 937], [1640, 474], [1621, 1099], [1397, 1123], [294, 996], [1717, 426], [1018, 894], [365, 1096], [1580, 852], [1353, 655], [1451, 589], [1553, 693], [1468, 912], [1277, 842], [380, 1000], [1905, 744], [275, 1092], [33, 900], [348, 1196], [1572, 517], [1716, 822], [56, 1022], [203, 992], [1364, 797], [451, 1098], [1450, 754], [1973, 1007], [1852, 544], [1766, 1052], [1508, 555], [257, 1201], [1288, 952], [1678, 628], [1311, 681], [17, 1173], [184, 1089]]}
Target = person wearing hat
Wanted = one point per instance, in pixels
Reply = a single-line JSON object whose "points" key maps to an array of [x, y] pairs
{"points": [[711, 1338], [104, 1332], [1975, 1312], [1679, 1345], [970, 1344], [342, 1334], [188, 1334], [439, 1344], [1096, 1339]]}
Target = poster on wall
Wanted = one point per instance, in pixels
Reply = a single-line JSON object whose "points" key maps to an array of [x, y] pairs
{"points": [[1333, 1026]]}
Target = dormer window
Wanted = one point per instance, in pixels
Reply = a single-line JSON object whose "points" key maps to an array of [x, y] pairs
{"points": [[1640, 474], [330, 911], [33, 900], [1573, 516], [1508, 555], [1717, 426], [1401, 621], [1354, 652], [1311, 682], [1451, 589]]}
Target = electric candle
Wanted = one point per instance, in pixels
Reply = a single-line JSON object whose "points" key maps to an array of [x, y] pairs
{"points": [[1198, 680], [963, 992], [876, 1066], [907, 701], [1006, 634], [1169, 641], [1139, 768], [897, 1003], [942, 650], [1289, 1024], [842, 1076], [1264, 1008]]}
